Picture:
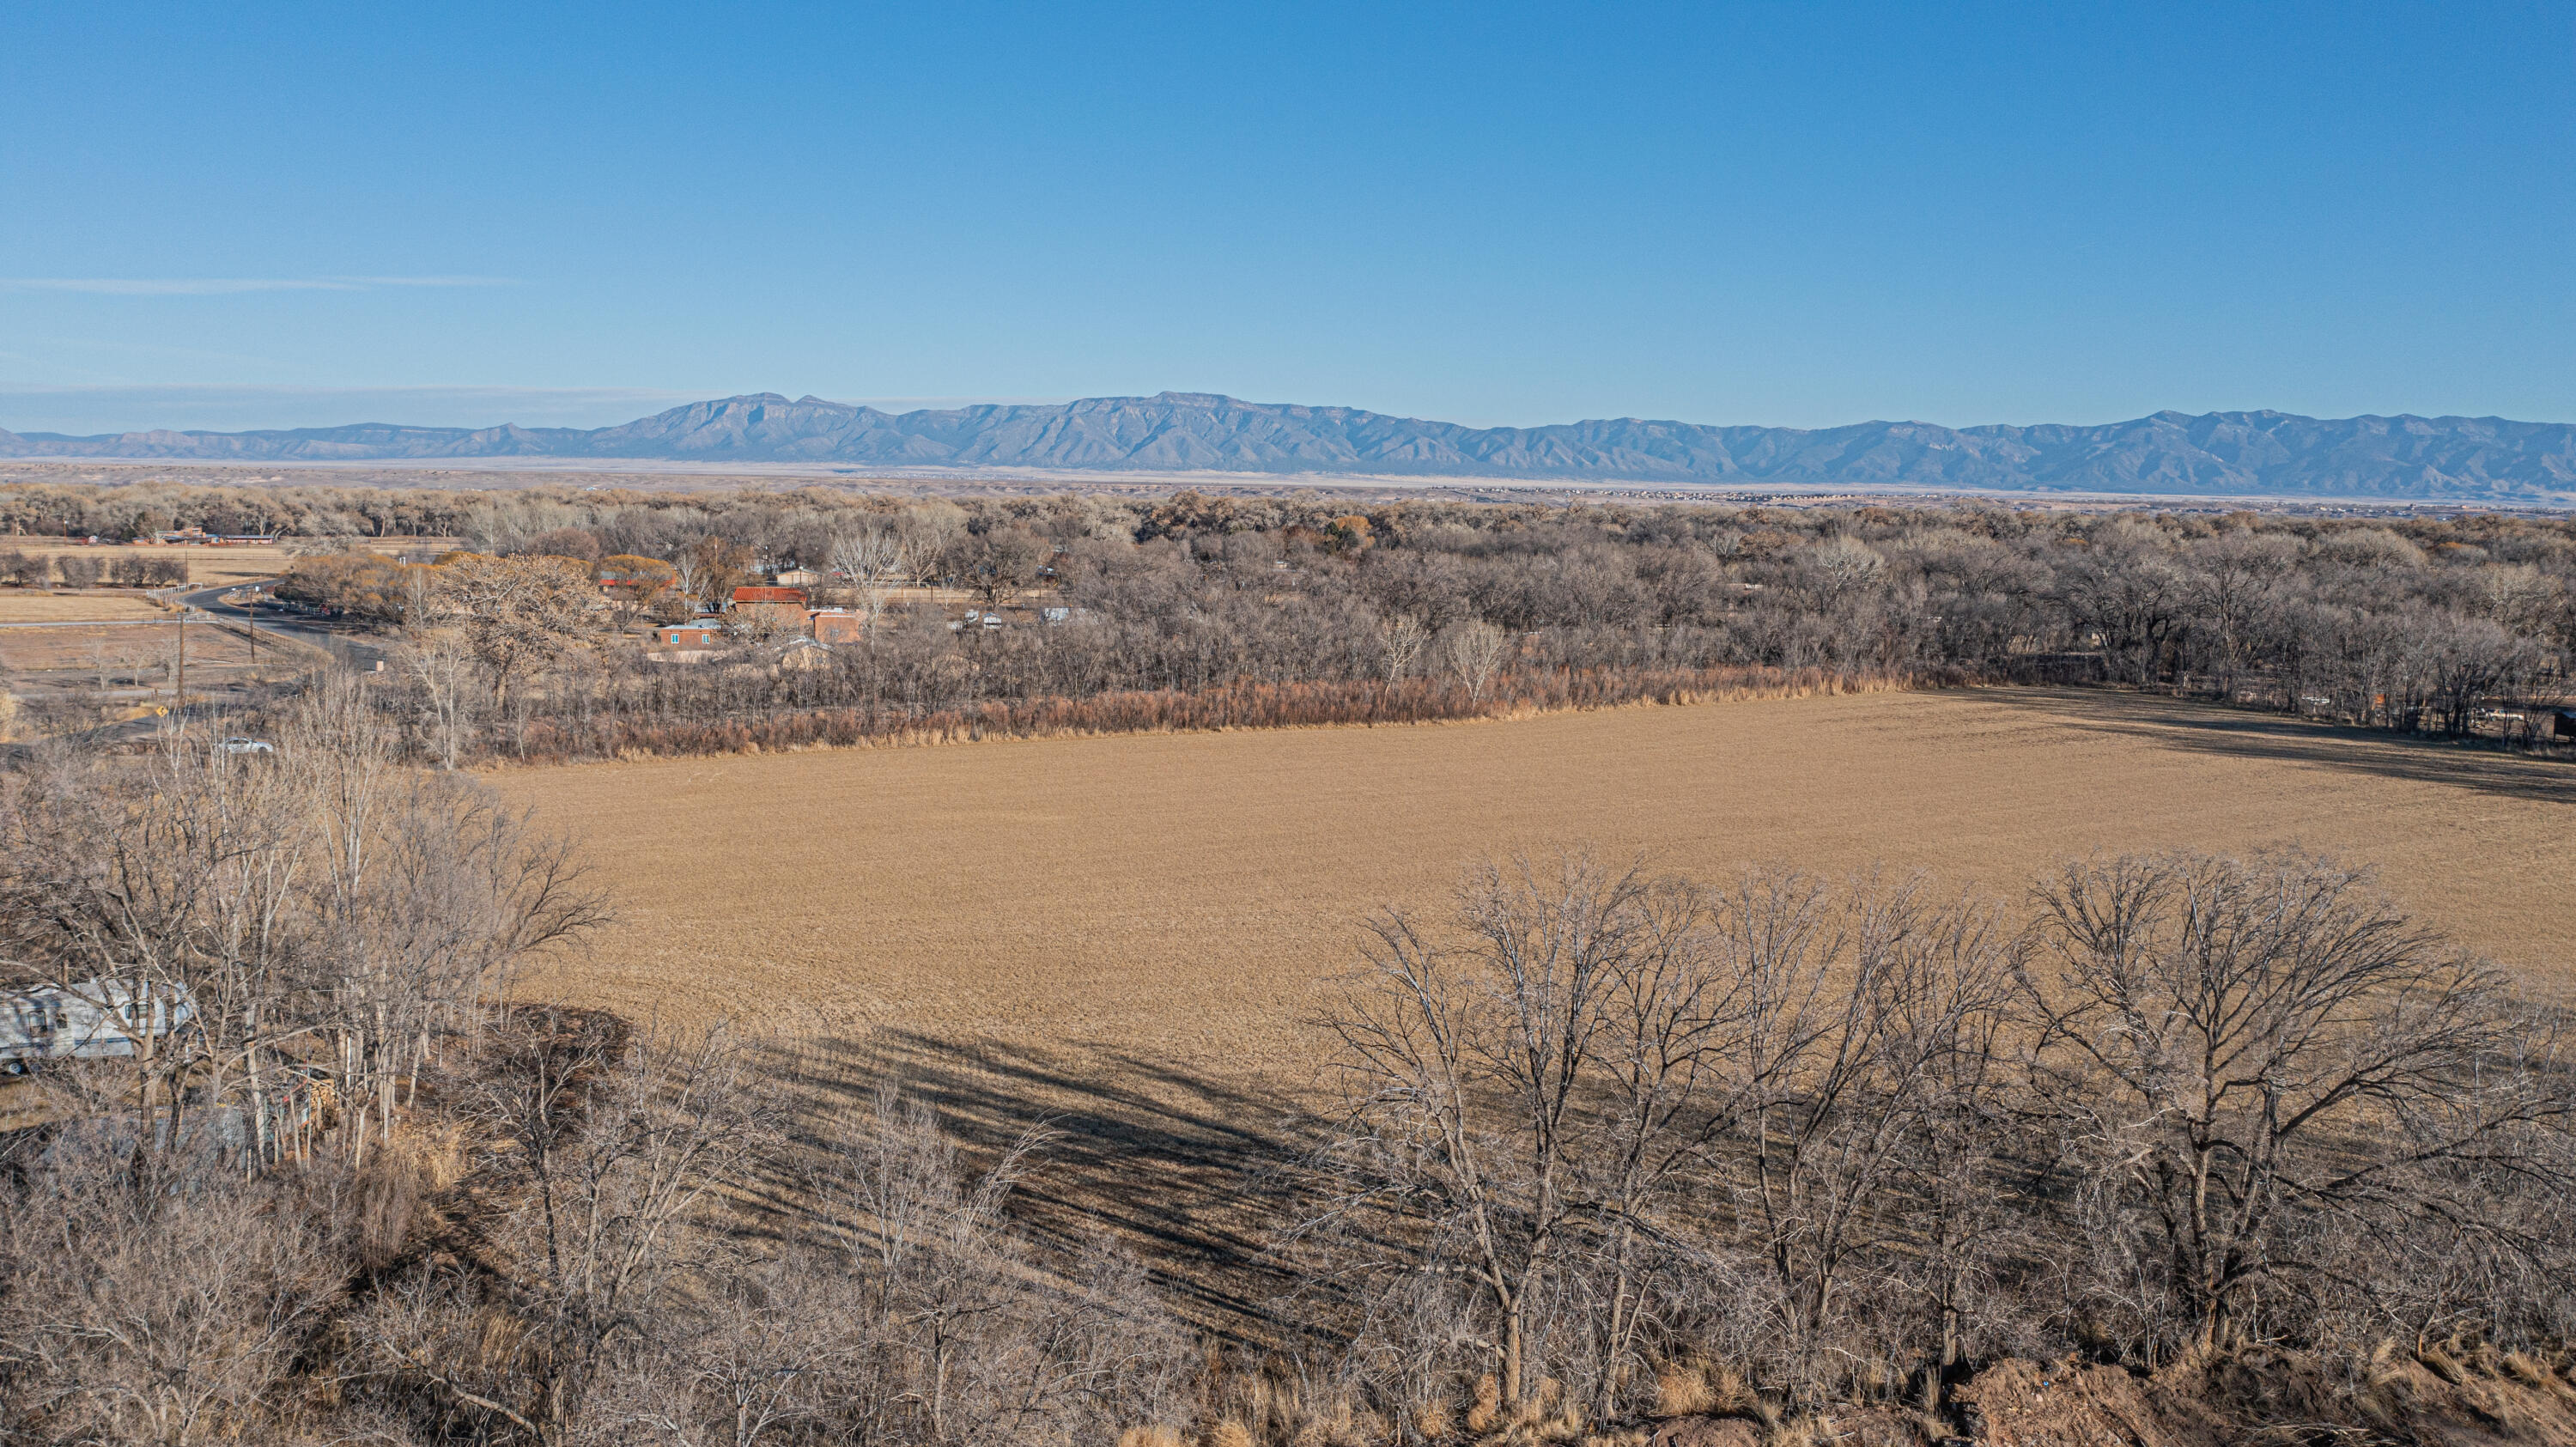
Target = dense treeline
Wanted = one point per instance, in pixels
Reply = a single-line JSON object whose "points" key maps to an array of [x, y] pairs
{"points": [[2438, 625], [2421, 625], [1611, 1146]]}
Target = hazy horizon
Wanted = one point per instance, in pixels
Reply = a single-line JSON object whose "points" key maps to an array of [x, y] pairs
{"points": [[90, 412]]}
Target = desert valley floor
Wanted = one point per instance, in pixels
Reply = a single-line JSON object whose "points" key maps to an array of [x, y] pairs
{"points": [[1131, 934]]}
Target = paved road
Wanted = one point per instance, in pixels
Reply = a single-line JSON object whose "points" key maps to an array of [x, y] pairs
{"points": [[266, 618], [269, 617]]}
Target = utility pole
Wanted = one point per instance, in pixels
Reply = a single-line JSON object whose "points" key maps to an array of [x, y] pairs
{"points": [[179, 695]]}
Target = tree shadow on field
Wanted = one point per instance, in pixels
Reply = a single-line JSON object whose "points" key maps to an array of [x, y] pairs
{"points": [[2244, 734], [1181, 1168]]}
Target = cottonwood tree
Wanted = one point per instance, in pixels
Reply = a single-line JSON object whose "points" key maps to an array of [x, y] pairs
{"points": [[2133, 594], [1401, 638], [1868, 1063], [518, 613], [323, 909], [148, 903], [2238, 1045], [440, 663], [928, 530], [1529, 1086], [998, 564], [1474, 649], [2235, 581], [425, 891], [877, 558], [711, 570], [636, 587]]}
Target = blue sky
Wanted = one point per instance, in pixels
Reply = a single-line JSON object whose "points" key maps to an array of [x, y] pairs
{"points": [[1801, 215]]}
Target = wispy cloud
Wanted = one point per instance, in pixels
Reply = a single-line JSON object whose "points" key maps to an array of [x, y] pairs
{"points": [[232, 286], [107, 407]]}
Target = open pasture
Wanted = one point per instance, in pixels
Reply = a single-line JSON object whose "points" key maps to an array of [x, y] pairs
{"points": [[125, 651], [206, 565], [27, 605], [1132, 934]]}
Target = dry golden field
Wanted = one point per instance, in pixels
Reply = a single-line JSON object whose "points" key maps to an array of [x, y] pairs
{"points": [[1132, 932], [206, 565], [23, 605], [36, 654]]}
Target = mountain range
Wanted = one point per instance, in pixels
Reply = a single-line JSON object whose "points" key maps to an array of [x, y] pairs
{"points": [[2483, 459]]}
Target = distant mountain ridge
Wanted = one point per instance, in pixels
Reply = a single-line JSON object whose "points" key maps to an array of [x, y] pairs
{"points": [[2483, 459]]}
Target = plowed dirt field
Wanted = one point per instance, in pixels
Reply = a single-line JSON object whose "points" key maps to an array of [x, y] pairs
{"points": [[1132, 932]]}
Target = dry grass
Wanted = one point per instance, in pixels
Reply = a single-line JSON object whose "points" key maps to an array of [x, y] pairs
{"points": [[206, 565], [37, 652], [1132, 933], [22, 605]]}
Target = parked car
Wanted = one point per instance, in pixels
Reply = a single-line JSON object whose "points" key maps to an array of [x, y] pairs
{"points": [[247, 746]]}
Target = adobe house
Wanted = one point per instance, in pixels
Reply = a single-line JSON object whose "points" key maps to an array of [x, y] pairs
{"points": [[783, 606], [700, 634], [835, 625]]}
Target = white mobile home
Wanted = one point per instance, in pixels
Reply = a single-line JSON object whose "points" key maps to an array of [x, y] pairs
{"points": [[87, 1021]]}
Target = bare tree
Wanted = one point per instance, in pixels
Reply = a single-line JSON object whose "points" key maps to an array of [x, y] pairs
{"points": [[440, 662], [877, 558], [1528, 1088], [224, 917], [711, 570], [1867, 1067], [163, 1310], [2235, 581], [1001, 562], [963, 1335], [1400, 638], [517, 613], [928, 530], [1474, 649], [614, 1164], [78, 570], [2221, 1035]]}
